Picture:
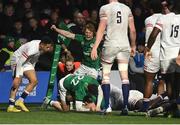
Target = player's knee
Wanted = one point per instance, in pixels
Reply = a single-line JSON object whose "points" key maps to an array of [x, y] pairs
{"points": [[33, 81], [122, 67], [125, 81], [106, 68], [106, 79], [14, 87], [16, 83]]}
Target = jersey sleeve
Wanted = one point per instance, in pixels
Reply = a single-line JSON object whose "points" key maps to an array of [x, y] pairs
{"points": [[79, 38], [102, 13], [149, 28], [159, 23], [130, 15], [80, 107]]}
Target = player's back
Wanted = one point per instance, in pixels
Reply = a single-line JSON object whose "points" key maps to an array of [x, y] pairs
{"points": [[117, 24], [170, 39], [28, 49], [74, 82], [170, 32]]}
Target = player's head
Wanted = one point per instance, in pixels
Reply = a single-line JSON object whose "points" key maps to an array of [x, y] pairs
{"points": [[69, 63], [166, 6], [176, 8], [46, 44], [89, 102], [89, 31], [155, 6], [87, 99], [93, 89]]}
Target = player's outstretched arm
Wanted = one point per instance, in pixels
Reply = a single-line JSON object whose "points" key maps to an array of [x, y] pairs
{"points": [[63, 32]]}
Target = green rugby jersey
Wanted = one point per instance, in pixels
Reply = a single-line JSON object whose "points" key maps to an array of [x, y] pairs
{"points": [[77, 85], [87, 47]]}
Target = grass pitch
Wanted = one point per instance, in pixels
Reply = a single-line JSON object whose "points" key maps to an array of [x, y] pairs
{"points": [[50, 116]]}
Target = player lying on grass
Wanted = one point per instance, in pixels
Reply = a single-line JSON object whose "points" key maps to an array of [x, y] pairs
{"points": [[135, 100], [167, 107], [79, 87]]}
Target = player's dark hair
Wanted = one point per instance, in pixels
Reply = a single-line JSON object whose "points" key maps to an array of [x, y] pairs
{"points": [[93, 89], [88, 99], [46, 40], [155, 5], [169, 3], [166, 3]]}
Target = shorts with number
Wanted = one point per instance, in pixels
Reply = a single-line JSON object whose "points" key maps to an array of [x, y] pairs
{"points": [[111, 53], [152, 65], [85, 70]]}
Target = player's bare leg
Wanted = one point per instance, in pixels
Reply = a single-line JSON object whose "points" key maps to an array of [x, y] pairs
{"points": [[148, 89], [161, 87], [14, 88], [31, 76]]}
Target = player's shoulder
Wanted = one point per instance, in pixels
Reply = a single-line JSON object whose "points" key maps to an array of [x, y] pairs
{"points": [[35, 41], [167, 16], [153, 17]]}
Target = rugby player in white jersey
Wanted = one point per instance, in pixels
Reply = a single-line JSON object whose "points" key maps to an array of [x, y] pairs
{"points": [[169, 26], [152, 65], [22, 63], [115, 18]]}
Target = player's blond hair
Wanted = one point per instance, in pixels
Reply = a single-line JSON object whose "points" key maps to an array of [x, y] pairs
{"points": [[90, 27]]}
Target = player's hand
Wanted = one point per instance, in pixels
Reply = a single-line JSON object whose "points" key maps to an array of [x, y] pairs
{"points": [[178, 60], [57, 105], [133, 51], [97, 109], [147, 53], [53, 27], [94, 53]]}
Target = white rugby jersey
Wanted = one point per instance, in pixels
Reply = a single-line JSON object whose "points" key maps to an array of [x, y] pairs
{"points": [[149, 24], [117, 15], [170, 38], [117, 97], [29, 52]]}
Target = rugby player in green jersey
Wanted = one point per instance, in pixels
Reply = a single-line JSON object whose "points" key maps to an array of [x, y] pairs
{"points": [[78, 87], [88, 66]]}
